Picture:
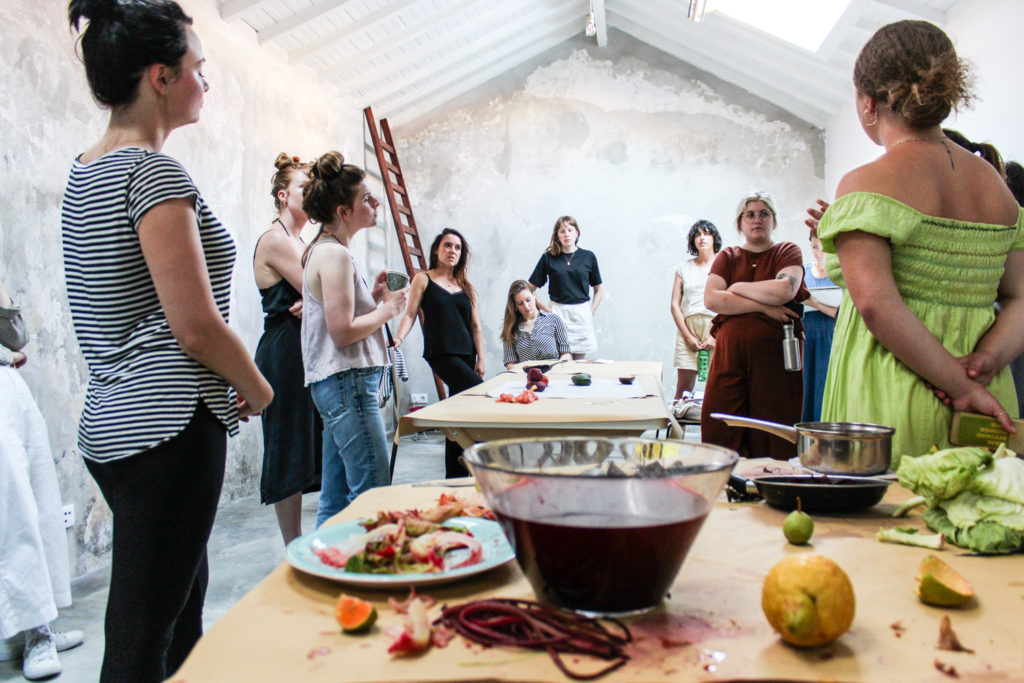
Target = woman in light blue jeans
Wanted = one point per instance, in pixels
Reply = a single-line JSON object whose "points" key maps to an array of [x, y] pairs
{"points": [[343, 350]]}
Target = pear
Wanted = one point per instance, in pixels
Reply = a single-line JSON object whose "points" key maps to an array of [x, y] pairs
{"points": [[798, 526]]}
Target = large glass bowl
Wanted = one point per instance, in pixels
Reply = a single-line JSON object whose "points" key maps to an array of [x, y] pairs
{"points": [[601, 526]]}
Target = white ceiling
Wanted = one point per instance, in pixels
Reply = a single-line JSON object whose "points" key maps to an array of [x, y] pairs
{"points": [[407, 57]]}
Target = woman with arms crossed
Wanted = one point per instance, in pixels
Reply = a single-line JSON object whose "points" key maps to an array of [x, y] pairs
{"points": [[529, 334], [148, 271], [905, 228], [343, 349], [453, 341], [753, 289], [572, 272], [291, 425]]}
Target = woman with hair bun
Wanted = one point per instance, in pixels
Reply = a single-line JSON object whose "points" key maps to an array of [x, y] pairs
{"points": [[453, 341], [291, 424], [906, 228], [148, 270], [343, 350]]}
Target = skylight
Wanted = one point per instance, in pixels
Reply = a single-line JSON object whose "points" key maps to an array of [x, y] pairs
{"points": [[805, 23]]}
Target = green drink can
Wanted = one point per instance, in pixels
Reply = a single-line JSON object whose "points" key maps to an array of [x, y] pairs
{"points": [[703, 363]]}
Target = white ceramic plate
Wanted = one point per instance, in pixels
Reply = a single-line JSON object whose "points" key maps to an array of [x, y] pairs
{"points": [[496, 551]]}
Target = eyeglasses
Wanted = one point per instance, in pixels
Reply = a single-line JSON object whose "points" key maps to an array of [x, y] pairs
{"points": [[751, 215]]}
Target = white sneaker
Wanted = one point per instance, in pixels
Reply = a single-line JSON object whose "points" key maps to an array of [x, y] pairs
{"points": [[41, 659], [65, 640]]}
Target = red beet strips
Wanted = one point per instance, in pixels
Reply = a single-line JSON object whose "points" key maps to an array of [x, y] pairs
{"points": [[524, 623]]}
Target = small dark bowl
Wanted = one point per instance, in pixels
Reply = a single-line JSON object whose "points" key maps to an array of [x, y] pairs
{"points": [[628, 379], [543, 367]]}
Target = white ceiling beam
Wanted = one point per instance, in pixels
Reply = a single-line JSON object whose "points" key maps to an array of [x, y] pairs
{"points": [[512, 36], [233, 8], [600, 22], [404, 61], [816, 114], [292, 22], [738, 49], [921, 10], [465, 83], [346, 32], [831, 47]]}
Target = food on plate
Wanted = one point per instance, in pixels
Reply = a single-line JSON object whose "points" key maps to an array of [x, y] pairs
{"points": [[353, 614], [798, 526], [974, 497], [581, 379], [939, 584], [409, 541], [524, 623], [808, 600]]}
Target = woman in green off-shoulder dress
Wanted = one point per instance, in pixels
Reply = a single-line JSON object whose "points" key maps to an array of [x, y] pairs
{"points": [[947, 273], [927, 243]]}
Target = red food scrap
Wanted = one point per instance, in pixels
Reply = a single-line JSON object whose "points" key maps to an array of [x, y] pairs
{"points": [[318, 652], [947, 669], [948, 639], [897, 628]]}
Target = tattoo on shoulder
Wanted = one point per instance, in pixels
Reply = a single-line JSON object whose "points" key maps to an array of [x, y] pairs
{"points": [[786, 276]]}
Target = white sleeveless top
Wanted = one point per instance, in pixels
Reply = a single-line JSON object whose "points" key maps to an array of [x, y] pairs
{"points": [[695, 278], [320, 357]]}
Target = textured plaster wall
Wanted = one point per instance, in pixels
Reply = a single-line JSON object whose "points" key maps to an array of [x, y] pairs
{"points": [[258, 106], [633, 143]]}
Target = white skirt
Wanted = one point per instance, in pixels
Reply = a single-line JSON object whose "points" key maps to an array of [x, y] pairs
{"points": [[34, 579], [579, 325]]}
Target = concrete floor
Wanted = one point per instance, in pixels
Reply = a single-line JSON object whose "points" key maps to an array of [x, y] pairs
{"points": [[245, 546]]}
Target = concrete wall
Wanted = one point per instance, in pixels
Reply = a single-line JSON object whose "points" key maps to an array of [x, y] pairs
{"points": [[258, 106], [633, 143], [987, 34]]}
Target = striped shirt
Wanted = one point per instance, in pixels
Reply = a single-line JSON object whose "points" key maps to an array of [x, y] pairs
{"points": [[142, 387], [548, 340]]}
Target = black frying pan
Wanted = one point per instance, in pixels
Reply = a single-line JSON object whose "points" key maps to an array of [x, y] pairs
{"points": [[816, 492]]}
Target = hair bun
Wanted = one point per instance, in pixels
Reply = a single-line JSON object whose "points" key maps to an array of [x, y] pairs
{"points": [[284, 161], [328, 166], [93, 10]]}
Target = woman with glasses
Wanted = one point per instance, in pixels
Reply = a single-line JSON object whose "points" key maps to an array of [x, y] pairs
{"points": [[343, 349], [754, 289], [929, 240]]}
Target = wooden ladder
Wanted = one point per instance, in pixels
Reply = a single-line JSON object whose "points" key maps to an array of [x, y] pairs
{"points": [[401, 209]]}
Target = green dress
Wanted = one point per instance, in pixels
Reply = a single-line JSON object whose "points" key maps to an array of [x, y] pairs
{"points": [[947, 272]]}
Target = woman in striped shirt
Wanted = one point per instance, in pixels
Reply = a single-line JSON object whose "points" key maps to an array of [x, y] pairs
{"points": [[528, 333], [148, 271]]}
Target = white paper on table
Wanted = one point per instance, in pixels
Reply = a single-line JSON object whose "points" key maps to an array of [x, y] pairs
{"points": [[564, 388]]}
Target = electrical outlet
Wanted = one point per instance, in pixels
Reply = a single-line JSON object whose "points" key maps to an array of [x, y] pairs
{"points": [[419, 399], [69, 515]]}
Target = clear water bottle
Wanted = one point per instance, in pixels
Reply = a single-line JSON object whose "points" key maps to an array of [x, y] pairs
{"points": [[792, 359], [703, 363]]}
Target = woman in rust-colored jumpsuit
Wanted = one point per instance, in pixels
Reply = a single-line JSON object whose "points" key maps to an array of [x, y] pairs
{"points": [[753, 289]]}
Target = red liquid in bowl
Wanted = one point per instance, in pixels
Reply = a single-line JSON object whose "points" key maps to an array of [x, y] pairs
{"points": [[605, 562]]}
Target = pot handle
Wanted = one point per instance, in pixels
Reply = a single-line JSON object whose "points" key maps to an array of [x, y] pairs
{"points": [[784, 431]]}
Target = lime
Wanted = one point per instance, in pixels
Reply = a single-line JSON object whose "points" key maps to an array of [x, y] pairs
{"points": [[354, 614], [798, 526], [939, 584]]}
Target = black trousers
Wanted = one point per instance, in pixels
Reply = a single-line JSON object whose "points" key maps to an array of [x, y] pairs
{"points": [[164, 501], [458, 374]]}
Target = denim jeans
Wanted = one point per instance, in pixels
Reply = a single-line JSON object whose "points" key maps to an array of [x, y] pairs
{"points": [[355, 446]]}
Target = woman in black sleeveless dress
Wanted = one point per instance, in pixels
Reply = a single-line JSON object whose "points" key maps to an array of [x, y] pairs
{"points": [[292, 430], [453, 341]]}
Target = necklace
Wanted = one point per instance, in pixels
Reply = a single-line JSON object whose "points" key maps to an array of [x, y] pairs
{"points": [[941, 138], [568, 258]]}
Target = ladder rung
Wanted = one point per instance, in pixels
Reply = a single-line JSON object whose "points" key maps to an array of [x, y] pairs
{"points": [[393, 168], [386, 147], [399, 189], [403, 209], [415, 252]]}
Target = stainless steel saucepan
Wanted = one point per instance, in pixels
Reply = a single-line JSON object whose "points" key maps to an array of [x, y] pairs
{"points": [[849, 448]]}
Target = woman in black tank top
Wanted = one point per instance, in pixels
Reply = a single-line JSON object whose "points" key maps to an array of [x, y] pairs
{"points": [[453, 341]]}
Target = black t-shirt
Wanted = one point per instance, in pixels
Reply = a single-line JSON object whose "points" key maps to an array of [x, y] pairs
{"points": [[571, 275], [447, 322]]}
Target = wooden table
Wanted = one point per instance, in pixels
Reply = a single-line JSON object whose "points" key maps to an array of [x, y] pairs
{"points": [[710, 628], [471, 416]]}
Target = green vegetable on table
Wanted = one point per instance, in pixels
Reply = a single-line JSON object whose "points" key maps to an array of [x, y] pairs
{"points": [[911, 537], [581, 379], [974, 497]]}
